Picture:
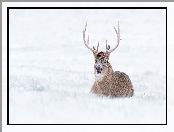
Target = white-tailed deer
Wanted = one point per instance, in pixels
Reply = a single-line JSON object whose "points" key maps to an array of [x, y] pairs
{"points": [[107, 82]]}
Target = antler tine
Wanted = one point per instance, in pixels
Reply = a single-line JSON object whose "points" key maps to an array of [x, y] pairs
{"points": [[86, 43], [107, 46], [98, 46], [118, 38], [96, 50]]}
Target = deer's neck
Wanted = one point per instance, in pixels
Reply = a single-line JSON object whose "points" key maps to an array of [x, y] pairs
{"points": [[104, 85]]}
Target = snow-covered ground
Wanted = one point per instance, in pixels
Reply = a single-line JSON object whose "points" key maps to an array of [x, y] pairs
{"points": [[51, 71]]}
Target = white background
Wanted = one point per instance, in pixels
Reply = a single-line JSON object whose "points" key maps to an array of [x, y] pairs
{"points": [[51, 71], [111, 127]]}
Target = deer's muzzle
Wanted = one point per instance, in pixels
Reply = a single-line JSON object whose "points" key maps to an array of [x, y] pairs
{"points": [[98, 69]]}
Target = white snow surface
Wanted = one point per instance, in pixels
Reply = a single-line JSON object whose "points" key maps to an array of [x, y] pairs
{"points": [[51, 71]]}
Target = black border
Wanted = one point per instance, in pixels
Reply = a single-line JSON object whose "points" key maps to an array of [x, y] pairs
{"points": [[8, 8]]}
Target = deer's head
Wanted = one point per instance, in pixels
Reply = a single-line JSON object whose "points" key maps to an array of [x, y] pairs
{"points": [[101, 65]]}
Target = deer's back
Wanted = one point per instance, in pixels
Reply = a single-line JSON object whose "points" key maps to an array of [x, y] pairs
{"points": [[121, 84]]}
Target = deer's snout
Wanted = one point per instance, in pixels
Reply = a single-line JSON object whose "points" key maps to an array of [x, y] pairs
{"points": [[98, 69]]}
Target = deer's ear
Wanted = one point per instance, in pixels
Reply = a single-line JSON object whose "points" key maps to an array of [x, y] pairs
{"points": [[107, 54]]}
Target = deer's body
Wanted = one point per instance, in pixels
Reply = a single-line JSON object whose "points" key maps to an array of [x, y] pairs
{"points": [[107, 82], [115, 84]]}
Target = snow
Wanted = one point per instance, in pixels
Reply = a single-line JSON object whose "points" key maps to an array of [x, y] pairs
{"points": [[51, 71]]}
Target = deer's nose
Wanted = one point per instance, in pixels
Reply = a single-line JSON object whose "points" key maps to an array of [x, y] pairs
{"points": [[98, 69]]}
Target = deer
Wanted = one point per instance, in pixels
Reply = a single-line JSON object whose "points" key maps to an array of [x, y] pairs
{"points": [[107, 81]]}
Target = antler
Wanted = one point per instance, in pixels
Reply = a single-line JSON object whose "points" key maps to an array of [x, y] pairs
{"points": [[94, 50], [118, 40]]}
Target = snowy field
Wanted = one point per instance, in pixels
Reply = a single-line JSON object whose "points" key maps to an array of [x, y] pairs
{"points": [[51, 71]]}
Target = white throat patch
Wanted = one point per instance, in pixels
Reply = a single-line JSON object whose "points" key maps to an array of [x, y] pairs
{"points": [[98, 77]]}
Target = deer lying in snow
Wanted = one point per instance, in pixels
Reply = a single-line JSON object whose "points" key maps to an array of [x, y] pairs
{"points": [[107, 82]]}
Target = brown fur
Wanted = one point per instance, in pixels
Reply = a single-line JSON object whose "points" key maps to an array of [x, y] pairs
{"points": [[115, 84]]}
